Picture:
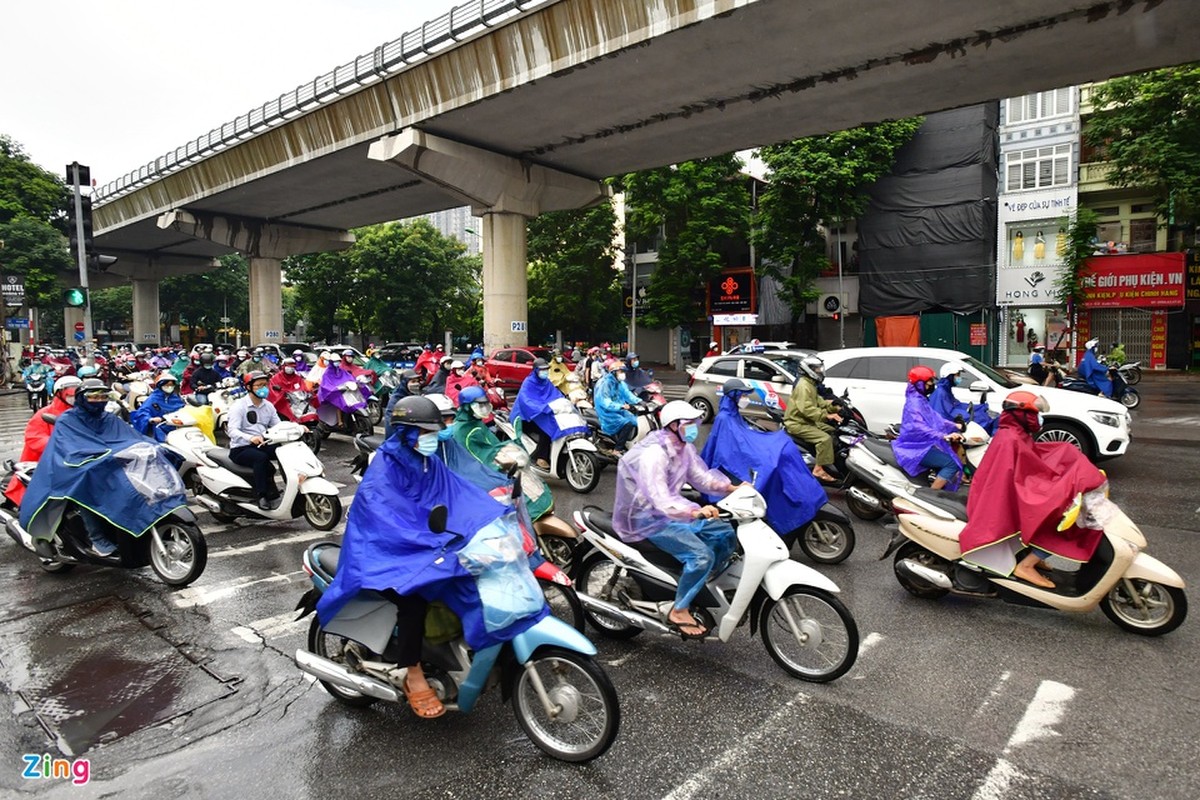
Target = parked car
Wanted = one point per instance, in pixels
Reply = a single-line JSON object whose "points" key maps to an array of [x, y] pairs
{"points": [[400, 355], [772, 373], [512, 365], [876, 378], [760, 347]]}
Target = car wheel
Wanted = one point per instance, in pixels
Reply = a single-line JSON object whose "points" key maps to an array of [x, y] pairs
{"points": [[1069, 432], [703, 406]]}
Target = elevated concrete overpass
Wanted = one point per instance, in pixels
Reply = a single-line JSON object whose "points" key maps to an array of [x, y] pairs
{"points": [[518, 108]]}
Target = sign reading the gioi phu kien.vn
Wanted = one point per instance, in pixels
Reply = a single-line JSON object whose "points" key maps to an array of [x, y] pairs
{"points": [[1143, 280]]}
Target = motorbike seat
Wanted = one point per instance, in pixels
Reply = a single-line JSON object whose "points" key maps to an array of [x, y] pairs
{"points": [[601, 520], [372, 442], [327, 559], [952, 502], [221, 456], [881, 450]]}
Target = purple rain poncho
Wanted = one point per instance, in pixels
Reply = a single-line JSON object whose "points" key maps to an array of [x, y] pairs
{"points": [[649, 478], [330, 390], [922, 429]]}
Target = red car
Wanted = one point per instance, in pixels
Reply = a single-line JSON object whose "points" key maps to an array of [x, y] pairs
{"points": [[512, 365]]}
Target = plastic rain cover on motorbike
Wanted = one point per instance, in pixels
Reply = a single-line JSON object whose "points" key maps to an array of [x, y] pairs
{"points": [[507, 587]]}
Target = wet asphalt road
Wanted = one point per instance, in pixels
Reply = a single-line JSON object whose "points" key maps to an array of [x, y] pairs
{"points": [[192, 693]]}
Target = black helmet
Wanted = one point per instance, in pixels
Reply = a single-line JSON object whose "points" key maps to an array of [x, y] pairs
{"points": [[540, 363], [734, 385], [207, 358], [409, 375], [419, 412]]}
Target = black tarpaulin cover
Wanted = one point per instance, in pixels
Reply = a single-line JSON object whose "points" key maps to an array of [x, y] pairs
{"points": [[928, 238]]}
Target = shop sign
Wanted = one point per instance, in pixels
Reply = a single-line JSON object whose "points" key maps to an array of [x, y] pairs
{"points": [[1144, 280], [721, 320], [1158, 340], [731, 293], [978, 334], [1028, 286], [1193, 276]]}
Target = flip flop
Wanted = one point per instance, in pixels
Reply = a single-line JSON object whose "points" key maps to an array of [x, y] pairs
{"points": [[424, 703], [678, 627], [830, 481]]}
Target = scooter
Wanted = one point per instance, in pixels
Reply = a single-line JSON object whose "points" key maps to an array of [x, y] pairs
{"points": [[349, 423], [1137, 592], [573, 457], [173, 547], [133, 390], [627, 588], [652, 392], [302, 412], [36, 392], [562, 698], [606, 446], [224, 487], [875, 477], [1131, 372], [1122, 392]]}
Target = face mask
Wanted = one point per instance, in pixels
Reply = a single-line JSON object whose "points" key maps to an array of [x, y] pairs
{"points": [[690, 431], [621, 377], [558, 359], [958, 380], [169, 389], [481, 410], [93, 408], [258, 358], [634, 364], [414, 387], [543, 374], [743, 401], [289, 370], [427, 444], [262, 392], [69, 398], [298, 359], [457, 373], [445, 433], [347, 360]]}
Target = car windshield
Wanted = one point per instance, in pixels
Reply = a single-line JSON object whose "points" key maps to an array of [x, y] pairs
{"points": [[789, 364], [989, 373]]}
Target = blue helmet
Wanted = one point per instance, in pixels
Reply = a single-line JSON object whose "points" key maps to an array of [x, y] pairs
{"points": [[471, 394]]}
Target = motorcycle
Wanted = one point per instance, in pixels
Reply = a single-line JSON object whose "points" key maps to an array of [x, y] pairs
{"points": [[299, 409], [627, 588], [652, 393], [1131, 372], [1122, 392], [573, 457], [606, 446], [875, 477], [134, 390], [1137, 592], [577, 393], [224, 487], [350, 423], [37, 393], [563, 700], [173, 547]]}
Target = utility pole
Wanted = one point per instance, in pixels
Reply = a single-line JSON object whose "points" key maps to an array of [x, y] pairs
{"points": [[77, 175], [841, 292]]}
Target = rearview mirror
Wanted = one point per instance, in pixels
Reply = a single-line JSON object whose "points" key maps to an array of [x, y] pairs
{"points": [[980, 386], [437, 518], [777, 378]]}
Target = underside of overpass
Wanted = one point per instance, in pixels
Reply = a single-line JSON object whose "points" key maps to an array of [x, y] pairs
{"points": [[570, 92]]}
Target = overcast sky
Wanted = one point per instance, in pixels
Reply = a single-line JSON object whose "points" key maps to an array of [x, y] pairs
{"points": [[114, 84]]}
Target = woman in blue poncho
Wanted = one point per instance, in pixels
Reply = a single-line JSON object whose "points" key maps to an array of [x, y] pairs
{"points": [[948, 406], [924, 441], [161, 402]]}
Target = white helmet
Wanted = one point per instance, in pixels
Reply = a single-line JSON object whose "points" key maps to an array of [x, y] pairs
{"points": [[445, 405], [66, 382], [1090, 344], [713, 344], [949, 369], [677, 410], [456, 364], [813, 367]]}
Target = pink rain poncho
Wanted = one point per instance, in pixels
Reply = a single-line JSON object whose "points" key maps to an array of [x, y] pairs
{"points": [[649, 478]]}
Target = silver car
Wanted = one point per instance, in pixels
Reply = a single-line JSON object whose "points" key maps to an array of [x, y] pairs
{"points": [[771, 373]]}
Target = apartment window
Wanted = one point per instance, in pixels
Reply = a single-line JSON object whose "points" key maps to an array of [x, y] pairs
{"points": [[1143, 235], [1039, 105], [1038, 168]]}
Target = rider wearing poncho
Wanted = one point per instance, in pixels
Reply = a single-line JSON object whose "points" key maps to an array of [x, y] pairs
{"points": [[38, 430], [283, 383], [771, 459], [924, 435], [1092, 371], [333, 381], [532, 408], [948, 406], [162, 401], [613, 399]]}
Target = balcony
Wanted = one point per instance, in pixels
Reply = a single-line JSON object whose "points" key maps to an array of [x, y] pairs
{"points": [[1093, 177]]}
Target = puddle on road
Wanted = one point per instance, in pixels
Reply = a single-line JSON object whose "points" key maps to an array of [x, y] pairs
{"points": [[93, 673]]}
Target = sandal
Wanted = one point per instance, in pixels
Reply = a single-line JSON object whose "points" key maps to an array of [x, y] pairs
{"points": [[679, 627], [424, 703]]}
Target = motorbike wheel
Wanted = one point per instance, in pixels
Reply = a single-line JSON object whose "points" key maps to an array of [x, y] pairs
{"points": [[598, 577], [332, 647], [55, 567], [313, 440], [363, 424], [1130, 398], [1133, 376], [557, 550], [183, 555], [914, 551], [563, 602], [860, 509], [827, 541], [587, 714], [323, 511], [583, 471], [374, 411], [1156, 609], [810, 634]]}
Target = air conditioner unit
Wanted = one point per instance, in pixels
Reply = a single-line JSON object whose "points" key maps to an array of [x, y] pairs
{"points": [[830, 304]]}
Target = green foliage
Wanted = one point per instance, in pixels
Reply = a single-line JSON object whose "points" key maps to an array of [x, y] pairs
{"points": [[201, 300], [697, 208], [1081, 242], [399, 281], [112, 308], [28, 190], [572, 284], [816, 180], [1149, 125], [33, 248]]}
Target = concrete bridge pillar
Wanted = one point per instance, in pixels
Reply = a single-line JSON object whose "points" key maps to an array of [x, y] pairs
{"points": [[505, 295], [266, 301], [145, 311]]}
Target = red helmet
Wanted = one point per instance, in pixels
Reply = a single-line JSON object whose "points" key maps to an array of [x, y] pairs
{"points": [[920, 373], [1025, 401]]}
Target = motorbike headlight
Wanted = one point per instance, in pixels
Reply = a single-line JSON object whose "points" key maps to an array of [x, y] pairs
{"points": [[1105, 418]]}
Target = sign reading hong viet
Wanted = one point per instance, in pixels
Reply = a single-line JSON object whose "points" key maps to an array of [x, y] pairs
{"points": [[731, 293], [1142, 280]]}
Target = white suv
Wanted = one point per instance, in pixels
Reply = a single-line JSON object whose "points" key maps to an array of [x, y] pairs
{"points": [[876, 378]]}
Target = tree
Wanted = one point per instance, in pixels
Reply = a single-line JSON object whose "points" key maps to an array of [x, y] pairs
{"points": [[572, 284], [112, 308], [698, 208], [200, 300], [28, 190], [1081, 243], [1148, 125], [813, 181]]}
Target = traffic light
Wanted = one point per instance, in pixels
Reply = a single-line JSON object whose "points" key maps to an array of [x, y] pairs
{"points": [[74, 298], [73, 231]]}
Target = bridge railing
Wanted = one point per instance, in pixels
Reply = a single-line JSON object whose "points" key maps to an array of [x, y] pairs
{"points": [[381, 63]]}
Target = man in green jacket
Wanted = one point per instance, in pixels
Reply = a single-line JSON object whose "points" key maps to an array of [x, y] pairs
{"points": [[808, 416]]}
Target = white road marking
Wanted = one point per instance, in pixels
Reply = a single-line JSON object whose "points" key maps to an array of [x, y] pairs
{"points": [[269, 627], [201, 596], [258, 547], [996, 690], [1043, 713], [866, 644], [742, 751]]}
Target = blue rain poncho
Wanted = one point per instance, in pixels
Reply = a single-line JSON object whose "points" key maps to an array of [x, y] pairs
{"points": [[539, 400], [158, 404], [1095, 373], [610, 395], [948, 406]]}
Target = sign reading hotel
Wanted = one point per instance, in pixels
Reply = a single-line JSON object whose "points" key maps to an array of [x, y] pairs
{"points": [[1145, 280]]}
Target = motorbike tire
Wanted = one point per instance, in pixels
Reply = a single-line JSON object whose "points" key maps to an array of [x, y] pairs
{"points": [[55, 567], [318, 646], [826, 541], [374, 411], [323, 511], [589, 715], [920, 554], [1132, 376], [363, 424], [594, 574], [1118, 606], [564, 603], [313, 440], [582, 470], [186, 552], [778, 633], [557, 550], [860, 509], [1130, 398]]}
